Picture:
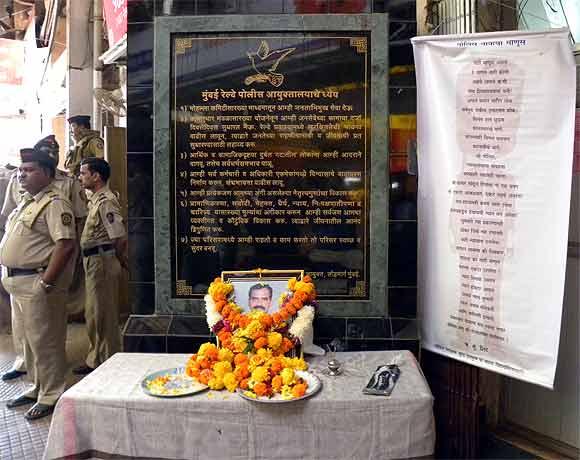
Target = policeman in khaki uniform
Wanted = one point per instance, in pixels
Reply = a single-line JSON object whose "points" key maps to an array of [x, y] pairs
{"points": [[35, 255], [88, 143], [71, 189], [103, 245]]}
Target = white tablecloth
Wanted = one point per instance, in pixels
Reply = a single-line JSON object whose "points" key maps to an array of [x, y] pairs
{"points": [[107, 414]]}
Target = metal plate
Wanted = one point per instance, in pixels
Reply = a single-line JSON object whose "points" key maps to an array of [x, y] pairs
{"points": [[314, 386], [178, 384]]}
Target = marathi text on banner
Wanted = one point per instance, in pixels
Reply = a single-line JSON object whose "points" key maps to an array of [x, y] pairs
{"points": [[499, 170]]}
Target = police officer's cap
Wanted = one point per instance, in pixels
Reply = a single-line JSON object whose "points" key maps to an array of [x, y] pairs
{"points": [[80, 120], [40, 156]]}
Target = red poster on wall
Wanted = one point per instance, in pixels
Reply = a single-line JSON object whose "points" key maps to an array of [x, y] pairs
{"points": [[116, 19], [11, 61]]}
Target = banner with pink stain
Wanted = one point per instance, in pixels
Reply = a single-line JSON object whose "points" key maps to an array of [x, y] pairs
{"points": [[495, 138]]}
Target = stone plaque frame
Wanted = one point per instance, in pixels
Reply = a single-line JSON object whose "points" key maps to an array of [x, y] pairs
{"points": [[378, 26]]}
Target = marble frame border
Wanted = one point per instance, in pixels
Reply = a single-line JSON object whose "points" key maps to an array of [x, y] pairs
{"points": [[378, 25]]}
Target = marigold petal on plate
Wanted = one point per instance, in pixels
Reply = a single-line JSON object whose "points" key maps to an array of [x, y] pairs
{"points": [[261, 389], [299, 390], [243, 384], [260, 343], [277, 383]]}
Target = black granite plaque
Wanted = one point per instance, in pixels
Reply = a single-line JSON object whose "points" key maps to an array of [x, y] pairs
{"points": [[271, 158]]}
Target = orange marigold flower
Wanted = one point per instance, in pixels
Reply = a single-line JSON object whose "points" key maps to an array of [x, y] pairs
{"points": [[226, 310], [276, 365], [261, 389], [217, 280], [242, 372], [205, 376], [266, 321], [204, 363], [240, 358], [284, 314], [287, 344], [299, 390], [307, 279], [260, 343], [276, 317], [243, 384], [277, 383], [193, 372], [291, 310]]}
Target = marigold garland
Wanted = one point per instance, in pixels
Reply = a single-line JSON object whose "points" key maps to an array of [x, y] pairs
{"points": [[251, 355]]}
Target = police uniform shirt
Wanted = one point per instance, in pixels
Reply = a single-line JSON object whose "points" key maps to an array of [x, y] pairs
{"points": [[104, 222], [34, 227], [62, 182]]}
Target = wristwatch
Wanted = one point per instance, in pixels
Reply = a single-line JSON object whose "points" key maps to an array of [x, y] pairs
{"points": [[47, 287]]}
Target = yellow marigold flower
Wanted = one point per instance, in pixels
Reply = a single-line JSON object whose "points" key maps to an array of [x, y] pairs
{"points": [[253, 328], [259, 374], [239, 344], [287, 375], [298, 364], [308, 288], [256, 361], [221, 368], [274, 340], [291, 283], [217, 383], [265, 354], [207, 347], [225, 355], [286, 392], [230, 382]]}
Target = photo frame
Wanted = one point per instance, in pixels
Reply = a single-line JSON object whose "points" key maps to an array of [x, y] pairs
{"points": [[260, 288]]}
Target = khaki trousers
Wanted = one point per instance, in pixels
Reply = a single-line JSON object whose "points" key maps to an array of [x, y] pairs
{"points": [[102, 273], [41, 318]]}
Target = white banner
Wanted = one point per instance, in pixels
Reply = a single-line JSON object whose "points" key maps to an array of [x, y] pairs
{"points": [[495, 139]]}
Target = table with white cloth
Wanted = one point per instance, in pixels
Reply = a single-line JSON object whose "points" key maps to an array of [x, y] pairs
{"points": [[107, 415]]}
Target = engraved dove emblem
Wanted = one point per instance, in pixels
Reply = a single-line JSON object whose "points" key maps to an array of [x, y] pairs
{"points": [[272, 58]]}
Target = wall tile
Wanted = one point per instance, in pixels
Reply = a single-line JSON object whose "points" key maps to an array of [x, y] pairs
{"points": [[404, 328], [141, 250], [142, 297], [140, 47], [140, 119], [140, 184], [402, 254], [144, 344], [403, 302], [365, 328], [402, 100], [403, 197], [140, 10], [328, 327], [185, 344], [189, 326], [368, 345]]}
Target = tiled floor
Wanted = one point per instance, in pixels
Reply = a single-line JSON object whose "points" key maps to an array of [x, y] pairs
{"points": [[20, 439]]}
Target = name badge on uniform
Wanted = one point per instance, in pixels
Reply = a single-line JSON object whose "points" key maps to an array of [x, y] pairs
{"points": [[110, 217]]}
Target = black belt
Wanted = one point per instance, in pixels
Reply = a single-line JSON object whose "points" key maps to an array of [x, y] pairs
{"points": [[95, 250], [24, 271]]}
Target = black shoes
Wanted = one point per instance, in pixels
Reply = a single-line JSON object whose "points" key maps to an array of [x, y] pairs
{"points": [[82, 370], [11, 375]]}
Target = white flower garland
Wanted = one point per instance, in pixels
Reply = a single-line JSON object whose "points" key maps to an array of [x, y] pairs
{"points": [[302, 324]]}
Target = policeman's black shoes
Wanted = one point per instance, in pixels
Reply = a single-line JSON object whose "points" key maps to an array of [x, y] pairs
{"points": [[21, 400], [11, 375], [82, 370], [38, 411]]}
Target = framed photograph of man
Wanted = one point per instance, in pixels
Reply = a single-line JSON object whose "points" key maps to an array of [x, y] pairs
{"points": [[260, 289]]}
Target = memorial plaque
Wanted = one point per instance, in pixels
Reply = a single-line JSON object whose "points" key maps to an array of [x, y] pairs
{"points": [[270, 157]]}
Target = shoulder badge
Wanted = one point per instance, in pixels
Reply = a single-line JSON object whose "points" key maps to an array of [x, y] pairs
{"points": [[66, 218], [110, 217]]}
